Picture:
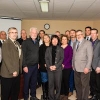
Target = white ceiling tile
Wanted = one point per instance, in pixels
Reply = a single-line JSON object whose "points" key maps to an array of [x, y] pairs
{"points": [[62, 6], [84, 0], [8, 5], [27, 6], [23, 0], [58, 9]]}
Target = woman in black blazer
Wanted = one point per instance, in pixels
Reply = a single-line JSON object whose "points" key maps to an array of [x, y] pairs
{"points": [[43, 70], [54, 57]]}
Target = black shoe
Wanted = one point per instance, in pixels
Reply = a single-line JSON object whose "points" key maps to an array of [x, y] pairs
{"points": [[38, 86], [91, 94], [94, 98], [45, 90], [34, 98]]}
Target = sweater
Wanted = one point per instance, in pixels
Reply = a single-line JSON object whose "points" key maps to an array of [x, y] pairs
{"points": [[30, 52], [68, 53]]}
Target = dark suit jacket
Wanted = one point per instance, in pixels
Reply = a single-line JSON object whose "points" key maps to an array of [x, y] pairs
{"points": [[58, 59], [96, 55], [10, 59]]}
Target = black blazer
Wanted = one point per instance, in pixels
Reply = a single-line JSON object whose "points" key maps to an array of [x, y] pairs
{"points": [[96, 55], [42, 50], [58, 60]]}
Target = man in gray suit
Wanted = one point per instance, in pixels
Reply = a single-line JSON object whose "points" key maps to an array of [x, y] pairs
{"points": [[95, 74], [82, 59]]}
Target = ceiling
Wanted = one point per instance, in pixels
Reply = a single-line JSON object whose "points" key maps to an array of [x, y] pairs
{"points": [[58, 9]]}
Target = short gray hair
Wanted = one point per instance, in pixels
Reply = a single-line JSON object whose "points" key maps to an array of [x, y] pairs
{"points": [[33, 28]]}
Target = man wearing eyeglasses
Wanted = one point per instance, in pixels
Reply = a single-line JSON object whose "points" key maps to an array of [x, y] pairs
{"points": [[11, 66], [82, 59]]}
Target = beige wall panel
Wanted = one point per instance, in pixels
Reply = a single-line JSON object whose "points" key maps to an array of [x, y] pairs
{"points": [[56, 25]]}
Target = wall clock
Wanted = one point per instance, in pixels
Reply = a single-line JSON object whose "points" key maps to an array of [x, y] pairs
{"points": [[46, 26]]}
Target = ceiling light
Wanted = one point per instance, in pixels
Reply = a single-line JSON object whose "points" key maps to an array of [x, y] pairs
{"points": [[4, 17], [44, 5]]}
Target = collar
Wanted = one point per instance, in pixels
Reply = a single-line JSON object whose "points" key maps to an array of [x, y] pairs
{"points": [[12, 40]]}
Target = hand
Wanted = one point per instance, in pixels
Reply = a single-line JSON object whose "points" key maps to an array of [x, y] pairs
{"points": [[45, 65], [15, 74], [86, 70], [73, 68], [51, 68], [25, 69], [54, 67], [63, 65], [98, 70]]}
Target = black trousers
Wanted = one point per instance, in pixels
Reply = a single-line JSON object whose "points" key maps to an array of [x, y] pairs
{"points": [[82, 85], [10, 88], [65, 81], [30, 81], [95, 83], [54, 78]]}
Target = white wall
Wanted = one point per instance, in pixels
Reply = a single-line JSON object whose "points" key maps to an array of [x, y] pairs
{"points": [[7, 23]]}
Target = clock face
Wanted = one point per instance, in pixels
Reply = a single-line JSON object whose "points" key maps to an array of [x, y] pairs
{"points": [[46, 26]]}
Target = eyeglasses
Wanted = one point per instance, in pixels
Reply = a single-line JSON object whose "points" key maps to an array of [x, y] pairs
{"points": [[13, 32], [79, 34]]}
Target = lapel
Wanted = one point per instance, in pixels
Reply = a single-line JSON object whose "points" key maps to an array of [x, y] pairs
{"points": [[50, 52], [96, 42], [81, 44], [12, 45], [57, 52], [74, 47]]}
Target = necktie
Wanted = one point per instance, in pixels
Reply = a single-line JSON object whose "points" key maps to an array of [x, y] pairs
{"points": [[87, 38], [77, 45], [3, 41], [16, 44], [18, 48]]}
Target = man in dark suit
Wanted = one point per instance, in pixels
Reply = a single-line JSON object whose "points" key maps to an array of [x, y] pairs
{"points": [[88, 33], [95, 74], [11, 66], [82, 59], [30, 49]]}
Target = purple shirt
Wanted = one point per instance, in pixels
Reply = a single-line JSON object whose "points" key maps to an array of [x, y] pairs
{"points": [[68, 53]]}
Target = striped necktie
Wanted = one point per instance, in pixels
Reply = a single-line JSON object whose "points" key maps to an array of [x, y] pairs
{"points": [[77, 45]]}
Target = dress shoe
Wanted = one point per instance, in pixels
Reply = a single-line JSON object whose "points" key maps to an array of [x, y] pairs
{"points": [[94, 98], [65, 98], [34, 98], [38, 86], [61, 97], [70, 93]]}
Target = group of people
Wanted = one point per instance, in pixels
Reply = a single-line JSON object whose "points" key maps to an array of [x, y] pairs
{"points": [[65, 61]]}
